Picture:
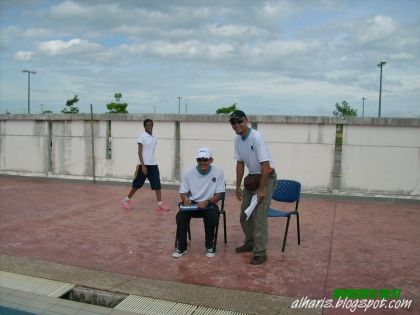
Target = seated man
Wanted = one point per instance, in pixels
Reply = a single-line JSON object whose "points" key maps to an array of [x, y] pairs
{"points": [[202, 186]]}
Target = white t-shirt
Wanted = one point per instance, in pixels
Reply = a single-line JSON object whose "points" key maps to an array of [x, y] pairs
{"points": [[202, 186], [252, 151], [149, 143]]}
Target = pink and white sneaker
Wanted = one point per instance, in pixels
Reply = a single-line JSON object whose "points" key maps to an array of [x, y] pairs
{"points": [[127, 204], [162, 207]]}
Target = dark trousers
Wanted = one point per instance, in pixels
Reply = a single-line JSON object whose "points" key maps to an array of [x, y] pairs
{"points": [[210, 217]]}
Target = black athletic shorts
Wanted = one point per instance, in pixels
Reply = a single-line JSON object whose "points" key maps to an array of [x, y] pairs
{"points": [[153, 176]]}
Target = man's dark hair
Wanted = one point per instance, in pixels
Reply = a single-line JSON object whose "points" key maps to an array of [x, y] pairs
{"points": [[146, 121]]}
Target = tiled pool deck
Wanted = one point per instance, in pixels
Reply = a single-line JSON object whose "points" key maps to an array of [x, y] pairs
{"points": [[77, 232]]}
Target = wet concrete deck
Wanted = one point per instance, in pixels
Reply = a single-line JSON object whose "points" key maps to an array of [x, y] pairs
{"points": [[345, 243]]}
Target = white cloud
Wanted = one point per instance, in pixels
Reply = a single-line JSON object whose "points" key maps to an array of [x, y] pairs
{"points": [[24, 55], [37, 32], [8, 34], [276, 9], [377, 29], [183, 50], [68, 9], [402, 56], [236, 31], [59, 47]]}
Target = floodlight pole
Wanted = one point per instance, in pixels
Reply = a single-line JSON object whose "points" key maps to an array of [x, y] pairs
{"points": [[179, 104], [380, 65], [363, 108], [29, 88]]}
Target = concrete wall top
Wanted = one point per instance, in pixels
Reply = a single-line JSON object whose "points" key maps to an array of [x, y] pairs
{"points": [[370, 121]]}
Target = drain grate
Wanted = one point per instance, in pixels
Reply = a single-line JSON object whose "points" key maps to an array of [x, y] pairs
{"points": [[151, 306], [94, 296], [132, 303], [34, 285]]}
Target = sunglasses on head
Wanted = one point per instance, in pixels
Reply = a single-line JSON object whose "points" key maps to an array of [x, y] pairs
{"points": [[202, 160], [236, 121]]}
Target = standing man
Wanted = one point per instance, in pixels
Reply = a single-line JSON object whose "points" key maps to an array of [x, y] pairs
{"points": [[201, 187], [147, 168], [251, 150]]}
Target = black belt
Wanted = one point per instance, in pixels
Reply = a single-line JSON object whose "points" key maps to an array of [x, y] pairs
{"points": [[271, 172]]}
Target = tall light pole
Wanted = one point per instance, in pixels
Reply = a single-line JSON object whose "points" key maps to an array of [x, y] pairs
{"points": [[363, 108], [380, 65], [29, 88], [179, 104]]}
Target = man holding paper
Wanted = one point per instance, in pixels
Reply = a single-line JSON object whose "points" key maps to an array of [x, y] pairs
{"points": [[201, 188], [251, 150]]}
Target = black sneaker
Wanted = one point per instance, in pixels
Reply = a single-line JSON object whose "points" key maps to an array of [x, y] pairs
{"points": [[258, 260], [177, 253], [210, 252], [246, 248]]}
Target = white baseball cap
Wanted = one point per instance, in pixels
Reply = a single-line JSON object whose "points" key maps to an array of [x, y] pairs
{"points": [[204, 153]]}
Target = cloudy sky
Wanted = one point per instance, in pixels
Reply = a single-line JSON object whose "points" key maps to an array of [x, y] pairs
{"points": [[296, 57]]}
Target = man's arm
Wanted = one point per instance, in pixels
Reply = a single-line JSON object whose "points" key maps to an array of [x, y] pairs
{"points": [[265, 170], [206, 203], [240, 169], [140, 153], [184, 198]]}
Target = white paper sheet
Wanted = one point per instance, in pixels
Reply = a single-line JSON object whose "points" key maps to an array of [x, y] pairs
{"points": [[248, 211]]}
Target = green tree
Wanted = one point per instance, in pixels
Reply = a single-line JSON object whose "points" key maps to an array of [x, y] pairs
{"points": [[227, 109], [117, 107], [344, 110], [70, 106]]}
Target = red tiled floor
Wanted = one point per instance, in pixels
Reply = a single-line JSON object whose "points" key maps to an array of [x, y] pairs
{"points": [[344, 244]]}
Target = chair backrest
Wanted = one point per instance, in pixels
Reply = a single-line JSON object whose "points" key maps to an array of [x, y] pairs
{"points": [[287, 190]]}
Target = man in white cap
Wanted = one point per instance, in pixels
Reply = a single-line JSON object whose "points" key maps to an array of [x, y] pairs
{"points": [[201, 185]]}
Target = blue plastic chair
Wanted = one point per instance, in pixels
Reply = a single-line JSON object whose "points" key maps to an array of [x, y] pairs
{"points": [[286, 191]]}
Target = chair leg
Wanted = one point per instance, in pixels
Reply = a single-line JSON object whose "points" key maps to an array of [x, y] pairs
{"points": [[285, 233], [176, 236], [215, 235], [224, 226], [298, 227], [189, 230]]}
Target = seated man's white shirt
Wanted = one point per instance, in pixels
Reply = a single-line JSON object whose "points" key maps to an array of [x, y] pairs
{"points": [[202, 186]]}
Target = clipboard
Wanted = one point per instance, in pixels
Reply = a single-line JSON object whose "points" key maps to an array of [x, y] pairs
{"points": [[192, 207]]}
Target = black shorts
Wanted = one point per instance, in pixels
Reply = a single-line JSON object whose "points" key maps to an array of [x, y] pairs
{"points": [[153, 176]]}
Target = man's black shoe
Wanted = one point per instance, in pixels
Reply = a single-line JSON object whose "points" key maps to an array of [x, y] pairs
{"points": [[258, 260], [244, 248]]}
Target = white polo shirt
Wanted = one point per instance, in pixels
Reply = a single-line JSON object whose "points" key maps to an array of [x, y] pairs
{"points": [[202, 186], [149, 143], [252, 151]]}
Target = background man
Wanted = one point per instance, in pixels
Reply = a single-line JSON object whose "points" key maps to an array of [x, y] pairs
{"points": [[148, 168]]}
